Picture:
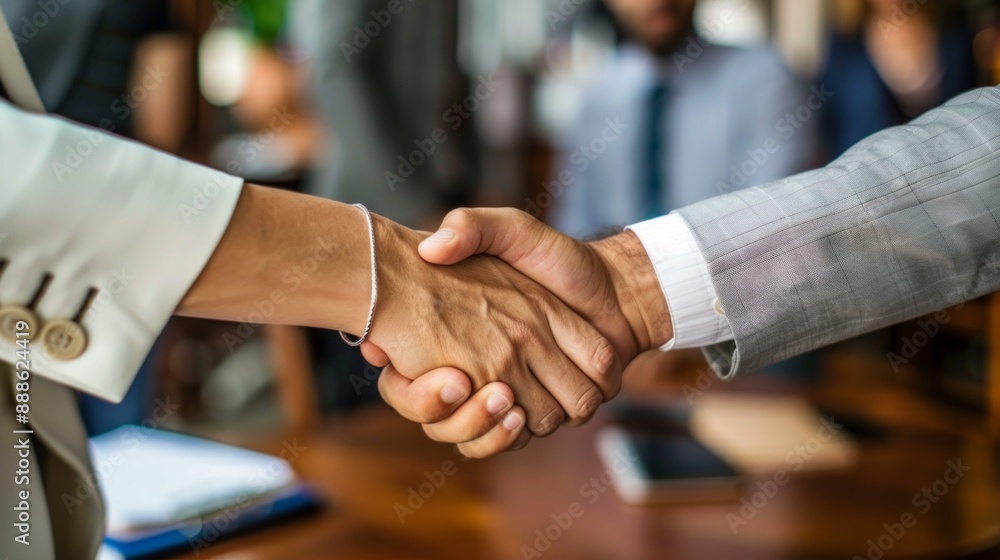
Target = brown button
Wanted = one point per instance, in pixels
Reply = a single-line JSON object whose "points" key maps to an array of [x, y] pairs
{"points": [[11, 316], [64, 339]]}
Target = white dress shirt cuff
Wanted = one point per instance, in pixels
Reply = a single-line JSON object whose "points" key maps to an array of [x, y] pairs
{"points": [[695, 312]]}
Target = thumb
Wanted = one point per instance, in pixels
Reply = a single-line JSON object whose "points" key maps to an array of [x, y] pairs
{"points": [[502, 232]]}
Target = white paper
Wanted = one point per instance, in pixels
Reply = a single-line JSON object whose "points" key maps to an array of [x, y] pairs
{"points": [[152, 478]]}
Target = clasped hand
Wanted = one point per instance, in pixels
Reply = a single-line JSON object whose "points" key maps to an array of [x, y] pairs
{"points": [[488, 351]]}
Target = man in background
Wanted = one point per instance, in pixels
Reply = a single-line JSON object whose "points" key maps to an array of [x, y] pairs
{"points": [[682, 120]]}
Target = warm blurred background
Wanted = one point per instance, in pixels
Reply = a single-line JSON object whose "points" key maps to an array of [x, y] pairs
{"points": [[589, 114]]}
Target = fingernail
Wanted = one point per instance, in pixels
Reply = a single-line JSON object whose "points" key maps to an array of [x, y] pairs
{"points": [[497, 403], [451, 394], [441, 236], [512, 422]]}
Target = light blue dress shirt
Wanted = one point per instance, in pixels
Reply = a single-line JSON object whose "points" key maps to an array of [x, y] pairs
{"points": [[734, 118]]}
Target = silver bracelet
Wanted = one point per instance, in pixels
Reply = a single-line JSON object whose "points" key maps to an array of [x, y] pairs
{"points": [[371, 310]]}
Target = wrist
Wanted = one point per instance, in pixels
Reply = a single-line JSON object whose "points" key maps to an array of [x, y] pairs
{"points": [[287, 259], [321, 265], [637, 289], [400, 270]]}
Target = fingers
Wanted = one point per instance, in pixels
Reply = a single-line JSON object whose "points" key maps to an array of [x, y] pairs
{"points": [[592, 353], [507, 435], [429, 398], [483, 425], [568, 268], [572, 389], [543, 412], [487, 408], [374, 355]]}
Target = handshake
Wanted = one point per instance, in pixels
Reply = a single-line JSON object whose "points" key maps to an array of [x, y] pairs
{"points": [[498, 328]]}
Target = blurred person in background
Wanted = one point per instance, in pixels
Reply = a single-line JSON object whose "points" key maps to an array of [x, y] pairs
{"points": [[385, 82], [682, 119], [384, 78], [112, 64], [889, 62]]}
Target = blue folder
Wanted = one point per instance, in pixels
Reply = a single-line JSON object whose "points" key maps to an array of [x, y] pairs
{"points": [[202, 533]]}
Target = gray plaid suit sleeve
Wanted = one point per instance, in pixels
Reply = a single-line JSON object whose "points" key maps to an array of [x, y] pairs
{"points": [[904, 223]]}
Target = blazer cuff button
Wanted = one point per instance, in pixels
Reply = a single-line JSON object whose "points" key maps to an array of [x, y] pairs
{"points": [[64, 339], [11, 315]]}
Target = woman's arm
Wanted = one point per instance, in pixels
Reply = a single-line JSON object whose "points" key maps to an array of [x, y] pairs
{"points": [[293, 259], [287, 258], [114, 237]]}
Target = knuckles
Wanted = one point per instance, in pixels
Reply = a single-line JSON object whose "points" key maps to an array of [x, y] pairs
{"points": [[604, 361], [587, 406], [548, 423]]}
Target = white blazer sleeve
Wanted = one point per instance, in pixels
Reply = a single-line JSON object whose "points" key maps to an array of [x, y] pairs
{"points": [[96, 212]]}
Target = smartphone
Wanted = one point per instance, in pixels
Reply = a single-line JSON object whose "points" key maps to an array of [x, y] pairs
{"points": [[662, 467]]}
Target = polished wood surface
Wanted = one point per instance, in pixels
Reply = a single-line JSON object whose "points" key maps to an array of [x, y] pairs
{"points": [[993, 363], [371, 463]]}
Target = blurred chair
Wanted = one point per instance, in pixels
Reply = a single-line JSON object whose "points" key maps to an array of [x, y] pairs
{"points": [[292, 366]]}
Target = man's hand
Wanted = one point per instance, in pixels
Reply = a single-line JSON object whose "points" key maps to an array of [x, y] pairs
{"points": [[610, 282], [488, 320]]}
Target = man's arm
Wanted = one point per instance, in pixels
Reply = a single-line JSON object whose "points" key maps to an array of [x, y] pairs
{"points": [[903, 224]]}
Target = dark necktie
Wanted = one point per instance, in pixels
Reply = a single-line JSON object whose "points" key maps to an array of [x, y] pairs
{"points": [[653, 160]]}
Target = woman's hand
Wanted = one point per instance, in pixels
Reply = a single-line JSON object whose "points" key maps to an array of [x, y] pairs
{"points": [[493, 323]]}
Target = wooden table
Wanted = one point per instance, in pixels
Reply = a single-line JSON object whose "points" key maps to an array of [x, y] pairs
{"points": [[370, 465]]}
